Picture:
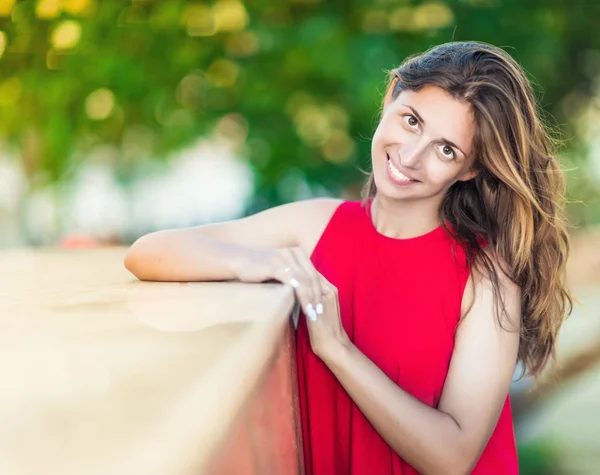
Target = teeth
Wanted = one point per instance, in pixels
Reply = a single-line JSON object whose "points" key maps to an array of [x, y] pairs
{"points": [[396, 173]]}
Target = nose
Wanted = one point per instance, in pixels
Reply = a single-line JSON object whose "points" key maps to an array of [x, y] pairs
{"points": [[411, 153]]}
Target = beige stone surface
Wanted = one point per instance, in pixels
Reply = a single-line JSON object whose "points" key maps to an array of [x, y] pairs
{"points": [[103, 374]]}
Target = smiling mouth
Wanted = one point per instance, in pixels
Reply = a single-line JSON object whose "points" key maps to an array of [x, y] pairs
{"points": [[397, 173]]}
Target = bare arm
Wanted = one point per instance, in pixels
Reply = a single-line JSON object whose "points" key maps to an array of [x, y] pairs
{"points": [[182, 255], [214, 251]]}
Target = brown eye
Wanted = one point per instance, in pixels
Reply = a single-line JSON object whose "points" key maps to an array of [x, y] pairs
{"points": [[412, 120], [447, 151]]}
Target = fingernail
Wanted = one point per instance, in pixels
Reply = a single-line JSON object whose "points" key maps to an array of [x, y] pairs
{"points": [[320, 308], [310, 313]]}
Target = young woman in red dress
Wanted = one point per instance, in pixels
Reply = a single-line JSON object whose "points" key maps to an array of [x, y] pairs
{"points": [[421, 298]]}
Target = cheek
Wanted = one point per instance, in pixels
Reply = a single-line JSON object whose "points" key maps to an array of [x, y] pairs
{"points": [[440, 173], [375, 139], [379, 143], [389, 135], [380, 135]]}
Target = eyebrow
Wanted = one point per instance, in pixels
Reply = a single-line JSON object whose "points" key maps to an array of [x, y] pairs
{"points": [[449, 142]]}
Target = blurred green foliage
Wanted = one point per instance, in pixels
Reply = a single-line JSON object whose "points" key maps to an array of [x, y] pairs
{"points": [[539, 457], [296, 83]]}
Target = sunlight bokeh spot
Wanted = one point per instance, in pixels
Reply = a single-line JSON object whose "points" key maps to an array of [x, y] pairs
{"points": [[223, 72], [6, 7], [99, 104], [66, 35], [188, 92], [337, 116], [339, 147], [312, 125], [298, 100], [79, 7], [401, 19], [230, 15], [233, 128], [198, 20], [48, 9], [433, 15], [2, 43]]}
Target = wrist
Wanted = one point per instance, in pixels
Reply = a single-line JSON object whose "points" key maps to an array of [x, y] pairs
{"points": [[236, 260], [336, 352]]}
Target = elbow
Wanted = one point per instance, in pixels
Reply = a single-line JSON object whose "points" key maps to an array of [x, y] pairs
{"points": [[454, 467], [460, 464], [134, 259], [131, 263], [455, 461], [461, 469]]}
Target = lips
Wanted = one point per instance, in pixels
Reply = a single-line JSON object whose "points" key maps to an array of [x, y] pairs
{"points": [[398, 169]]}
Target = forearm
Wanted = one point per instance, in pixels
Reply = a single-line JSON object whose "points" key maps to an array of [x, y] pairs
{"points": [[174, 255], [428, 439]]}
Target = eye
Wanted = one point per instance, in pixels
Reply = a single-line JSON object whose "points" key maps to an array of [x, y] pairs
{"points": [[411, 121], [447, 151]]}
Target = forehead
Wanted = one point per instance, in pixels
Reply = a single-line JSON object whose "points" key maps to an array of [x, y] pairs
{"points": [[444, 116]]}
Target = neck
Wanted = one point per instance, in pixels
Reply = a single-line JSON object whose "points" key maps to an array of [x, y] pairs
{"points": [[402, 220]]}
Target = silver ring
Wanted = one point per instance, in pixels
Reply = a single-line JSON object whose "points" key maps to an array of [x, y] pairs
{"points": [[294, 283]]}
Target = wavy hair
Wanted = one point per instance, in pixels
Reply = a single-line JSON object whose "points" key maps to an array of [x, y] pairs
{"points": [[516, 201]]}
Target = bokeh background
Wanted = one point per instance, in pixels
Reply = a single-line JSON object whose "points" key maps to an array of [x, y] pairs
{"points": [[118, 118]]}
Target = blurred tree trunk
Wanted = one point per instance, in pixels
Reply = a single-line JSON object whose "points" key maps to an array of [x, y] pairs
{"points": [[583, 271], [566, 371]]}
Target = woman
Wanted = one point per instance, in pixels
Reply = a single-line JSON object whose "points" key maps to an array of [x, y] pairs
{"points": [[421, 298]]}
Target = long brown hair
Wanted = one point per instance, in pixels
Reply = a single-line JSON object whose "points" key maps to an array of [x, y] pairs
{"points": [[516, 201]]}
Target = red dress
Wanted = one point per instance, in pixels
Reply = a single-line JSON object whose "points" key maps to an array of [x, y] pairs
{"points": [[400, 302]]}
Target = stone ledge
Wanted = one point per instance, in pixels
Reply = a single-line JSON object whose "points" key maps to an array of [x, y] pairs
{"points": [[106, 374]]}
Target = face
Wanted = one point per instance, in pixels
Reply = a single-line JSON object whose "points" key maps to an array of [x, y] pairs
{"points": [[422, 145]]}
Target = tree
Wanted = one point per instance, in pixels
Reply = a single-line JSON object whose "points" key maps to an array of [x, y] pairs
{"points": [[296, 84]]}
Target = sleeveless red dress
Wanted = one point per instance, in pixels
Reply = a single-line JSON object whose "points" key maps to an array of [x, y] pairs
{"points": [[400, 302]]}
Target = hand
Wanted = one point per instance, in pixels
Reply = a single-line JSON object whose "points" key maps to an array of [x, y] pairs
{"points": [[326, 332], [288, 265]]}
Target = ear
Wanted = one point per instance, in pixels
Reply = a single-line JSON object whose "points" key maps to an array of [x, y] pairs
{"points": [[469, 174]]}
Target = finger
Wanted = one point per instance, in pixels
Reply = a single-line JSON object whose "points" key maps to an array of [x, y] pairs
{"points": [[325, 285], [300, 281], [287, 269], [329, 292], [285, 274], [315, 280], [302, 274]]}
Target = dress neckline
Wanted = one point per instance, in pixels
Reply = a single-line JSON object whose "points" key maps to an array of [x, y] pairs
{"points": [[436, 234]]}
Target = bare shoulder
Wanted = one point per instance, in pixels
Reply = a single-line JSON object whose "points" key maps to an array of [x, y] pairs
{"points": [[299, 223], [318, 214], [480, 288]]}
